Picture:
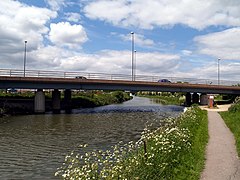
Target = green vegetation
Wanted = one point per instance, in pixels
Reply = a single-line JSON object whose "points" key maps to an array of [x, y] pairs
{"points": [[224, 99], [175, 150], [98, 98], [232, 119], [82, 99], [166, 98], [21, 94]]}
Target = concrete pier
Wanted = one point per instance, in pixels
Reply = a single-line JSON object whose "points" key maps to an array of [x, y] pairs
{"points": [[56, 101], [204, 99], [67, 101], [195, 98], [188, 100], [39, 101]]}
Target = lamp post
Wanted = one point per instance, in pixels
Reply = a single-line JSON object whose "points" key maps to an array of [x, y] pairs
{"points": [[24, 60], [135, 64], [132, 33], [218, 72]]}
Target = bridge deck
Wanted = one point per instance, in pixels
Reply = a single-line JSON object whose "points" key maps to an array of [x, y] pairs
{"points": [[98, 84]]}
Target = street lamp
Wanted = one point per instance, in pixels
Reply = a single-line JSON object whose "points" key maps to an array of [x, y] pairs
{"points": [[218, 72], [135, 64], [132, 33], [24, 60]]}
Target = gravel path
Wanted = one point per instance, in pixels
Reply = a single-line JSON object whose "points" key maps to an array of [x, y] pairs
{"points": [[222, 162]]}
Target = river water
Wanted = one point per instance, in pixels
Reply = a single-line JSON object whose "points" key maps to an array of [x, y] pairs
{"points": [[34, 146]]}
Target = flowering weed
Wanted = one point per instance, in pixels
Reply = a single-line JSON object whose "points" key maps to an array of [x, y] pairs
{"points": [[175, 150]]}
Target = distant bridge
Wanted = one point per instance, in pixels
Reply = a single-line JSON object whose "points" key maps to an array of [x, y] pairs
{"points": [[96, 81]]}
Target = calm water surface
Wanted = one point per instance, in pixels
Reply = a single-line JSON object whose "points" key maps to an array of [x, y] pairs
{"points": [[34, 146]]}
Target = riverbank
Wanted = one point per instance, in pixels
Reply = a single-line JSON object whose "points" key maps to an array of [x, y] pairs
{"points": [[166, 98], [23, 103], [232, 120], [175, 150]]}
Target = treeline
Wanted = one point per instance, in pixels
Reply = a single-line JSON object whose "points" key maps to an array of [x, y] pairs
{"points": [[98, 98]]}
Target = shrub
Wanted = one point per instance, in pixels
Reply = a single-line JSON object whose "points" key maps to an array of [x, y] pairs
{"points": [[234, 108]]}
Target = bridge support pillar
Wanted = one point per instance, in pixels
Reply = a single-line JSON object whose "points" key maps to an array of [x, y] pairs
{"points": [[195, 98], [56, 101], [188, 100], [39, 101], [67, 101], [204, 99]]}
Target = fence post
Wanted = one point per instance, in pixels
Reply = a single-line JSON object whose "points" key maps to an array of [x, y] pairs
{"points": [[145, 149]]}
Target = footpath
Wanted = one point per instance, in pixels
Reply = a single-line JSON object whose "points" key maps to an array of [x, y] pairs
{"points": [[222, 162]]}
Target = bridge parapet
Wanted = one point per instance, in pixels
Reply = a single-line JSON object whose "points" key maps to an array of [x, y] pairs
{"points": [[105, 76]]}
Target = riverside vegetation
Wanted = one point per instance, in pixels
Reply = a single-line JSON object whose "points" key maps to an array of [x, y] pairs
{"points": [[232, 120], [166, 98], [80, 99], [173, 150]]}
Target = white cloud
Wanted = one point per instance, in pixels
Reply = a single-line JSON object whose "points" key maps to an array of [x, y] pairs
{"points": [[73, 17], [20, 22], [64, 34], [224, 44], [144, 14], [120, 62], [55, 4], [186, 52], [139, 39]]}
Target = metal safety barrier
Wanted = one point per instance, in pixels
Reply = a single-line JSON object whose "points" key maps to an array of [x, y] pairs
{"points": [[105, 76]]}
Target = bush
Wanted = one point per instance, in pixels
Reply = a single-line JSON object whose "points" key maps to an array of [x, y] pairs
{"points": [[234, 108]]}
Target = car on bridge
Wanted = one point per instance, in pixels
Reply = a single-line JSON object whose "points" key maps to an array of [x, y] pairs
{"points": [[80, 77], [164, 81]]}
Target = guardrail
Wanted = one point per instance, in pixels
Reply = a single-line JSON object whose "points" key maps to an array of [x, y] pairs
{"points": [[105, 76]]}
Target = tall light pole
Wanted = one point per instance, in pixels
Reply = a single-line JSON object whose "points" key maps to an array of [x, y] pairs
{"points": [[135, 64], [132, 33], [24, 59], [218, 72]]}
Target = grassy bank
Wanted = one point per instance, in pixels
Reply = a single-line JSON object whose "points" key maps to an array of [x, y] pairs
{"points": [[167, 98], [93, 99], [23, 102], [173, 151], [232, 120]]}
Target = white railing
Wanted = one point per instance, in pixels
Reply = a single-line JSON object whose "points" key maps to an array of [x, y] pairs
{"points": [[105, 76]]}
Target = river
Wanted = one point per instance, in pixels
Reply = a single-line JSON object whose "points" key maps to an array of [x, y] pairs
{"points": [[34, 146]]}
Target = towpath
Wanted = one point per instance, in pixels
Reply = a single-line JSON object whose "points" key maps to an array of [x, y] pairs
{"points": [[222, 162]]}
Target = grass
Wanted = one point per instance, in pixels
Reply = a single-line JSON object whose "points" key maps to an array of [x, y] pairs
{"points": [[232, 120], [167, 98], [175, 150]]}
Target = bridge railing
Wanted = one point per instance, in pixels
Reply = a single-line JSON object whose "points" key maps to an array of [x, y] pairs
{"points": [[105, 76]]}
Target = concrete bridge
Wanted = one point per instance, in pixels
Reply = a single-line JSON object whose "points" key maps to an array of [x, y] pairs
{"points": [[71, 83], [67, 84]]}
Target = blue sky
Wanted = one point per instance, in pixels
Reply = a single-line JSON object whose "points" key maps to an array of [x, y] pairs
{"points": [[177, 38]]}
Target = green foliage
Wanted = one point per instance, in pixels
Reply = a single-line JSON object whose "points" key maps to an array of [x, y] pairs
{"points": [[234, 108], [232, 120], [166, 98], [175, 150], [93, 99]]}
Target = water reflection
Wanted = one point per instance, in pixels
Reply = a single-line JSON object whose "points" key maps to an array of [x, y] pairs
{"points": [[32, 147]]}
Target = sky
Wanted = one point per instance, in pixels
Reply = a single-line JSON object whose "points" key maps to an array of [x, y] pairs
{"points": [[172, 38]]}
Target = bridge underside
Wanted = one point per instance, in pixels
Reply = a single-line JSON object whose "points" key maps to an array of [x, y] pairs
{"points": [[192, 90]]}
